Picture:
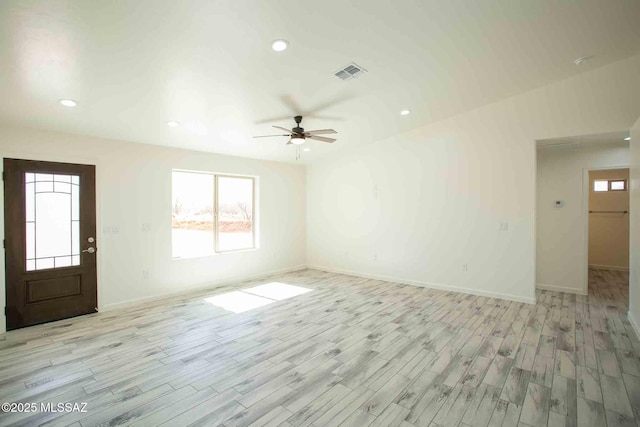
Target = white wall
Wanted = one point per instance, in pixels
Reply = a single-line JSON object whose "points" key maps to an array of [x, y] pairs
{"points": [[634, 220], [561, 254], [443, 189], [134, 187]]}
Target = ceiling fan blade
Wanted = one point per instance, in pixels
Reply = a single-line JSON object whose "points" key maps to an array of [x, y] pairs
{"points": [[289, 143], [284, 129], [273, 119], [321, 138], [291, 103], [269, 136], [320, 132], [294, 107]]}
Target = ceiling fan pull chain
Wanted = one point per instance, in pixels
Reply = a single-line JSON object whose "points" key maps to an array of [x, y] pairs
{"points": [[297, 152]]}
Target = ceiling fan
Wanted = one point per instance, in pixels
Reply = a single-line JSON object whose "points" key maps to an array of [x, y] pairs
{"points": [[298, 135]]}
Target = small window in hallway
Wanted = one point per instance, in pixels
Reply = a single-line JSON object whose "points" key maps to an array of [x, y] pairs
{"points": [[600, 185], [620, 185]]}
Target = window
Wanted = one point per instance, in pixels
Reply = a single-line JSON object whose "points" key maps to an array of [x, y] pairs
{"points": [[610, 185], [619, 185], [192, 214], [196, 229], [234, 204], [600, 185], [52, 208]]}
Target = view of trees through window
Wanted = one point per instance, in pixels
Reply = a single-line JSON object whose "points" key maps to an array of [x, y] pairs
{"points": [[235, 213], [193, 208]]}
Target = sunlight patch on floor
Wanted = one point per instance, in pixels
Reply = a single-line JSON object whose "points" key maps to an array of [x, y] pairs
{"points": [[277, 291], [258, 296]]}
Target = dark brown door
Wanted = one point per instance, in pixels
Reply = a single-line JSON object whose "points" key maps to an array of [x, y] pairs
{"points": [[50, 241]]}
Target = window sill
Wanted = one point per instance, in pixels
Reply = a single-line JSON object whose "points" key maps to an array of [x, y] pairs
{"points": [[213, 254], [234, 251]]}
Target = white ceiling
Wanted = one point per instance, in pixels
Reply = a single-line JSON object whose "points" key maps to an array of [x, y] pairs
{"points": [[133, 65]]}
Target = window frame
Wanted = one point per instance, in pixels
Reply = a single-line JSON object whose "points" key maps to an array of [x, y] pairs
{"points": [[593, 186], [609, 181], [618, 189], [216, 239]]}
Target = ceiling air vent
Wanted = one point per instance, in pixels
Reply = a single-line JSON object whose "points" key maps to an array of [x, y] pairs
{"points": [[351, 71]]}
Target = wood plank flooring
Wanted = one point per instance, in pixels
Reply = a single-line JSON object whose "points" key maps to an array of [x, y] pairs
{"points": [[351, 352]]}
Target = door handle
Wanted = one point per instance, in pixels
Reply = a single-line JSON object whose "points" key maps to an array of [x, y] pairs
{"points": [[90, 249]]}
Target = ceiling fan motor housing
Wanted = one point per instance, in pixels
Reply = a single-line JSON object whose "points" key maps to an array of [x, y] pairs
{"points": [[298, 129]]}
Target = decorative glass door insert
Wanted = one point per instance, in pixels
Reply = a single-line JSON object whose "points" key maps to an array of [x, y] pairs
{"points": [[52, 215]]}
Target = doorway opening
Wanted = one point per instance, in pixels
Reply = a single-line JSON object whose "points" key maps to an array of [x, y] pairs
{"points": [[608, 234], [576, 250]]}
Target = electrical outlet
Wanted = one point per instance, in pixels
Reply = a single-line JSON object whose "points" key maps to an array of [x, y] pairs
{"points": [[375, 191], [465, 267], [375, 257], [145, 274], [146, 226], [503, 226]]}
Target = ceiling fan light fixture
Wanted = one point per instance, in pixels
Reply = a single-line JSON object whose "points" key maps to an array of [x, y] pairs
{"points": [[297, 139], [306, 150], [405, 112], [628, 138], [279, 45]]}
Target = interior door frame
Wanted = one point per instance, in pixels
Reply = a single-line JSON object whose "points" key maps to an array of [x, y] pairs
{"points": [[50, 156], [586, 189]]}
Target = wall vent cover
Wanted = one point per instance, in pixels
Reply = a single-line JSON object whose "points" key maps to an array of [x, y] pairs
{"points": [[351, 71]]}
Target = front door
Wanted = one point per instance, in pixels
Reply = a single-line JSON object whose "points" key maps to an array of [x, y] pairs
{"points": [[50, 241]]}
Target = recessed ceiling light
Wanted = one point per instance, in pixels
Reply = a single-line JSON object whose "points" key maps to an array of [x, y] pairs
{"points": [[307, 149], [279, 45], [172, 123], [628, 138], [68, 102], [582, 60], [405, 112]]}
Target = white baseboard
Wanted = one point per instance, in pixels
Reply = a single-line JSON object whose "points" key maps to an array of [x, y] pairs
{"points": [[450, 288], [560, 289], [634, 324], [608, 267], [208, 285]]}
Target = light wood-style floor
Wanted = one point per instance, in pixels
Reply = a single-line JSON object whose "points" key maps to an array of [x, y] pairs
{"points": [[351, 352]]}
